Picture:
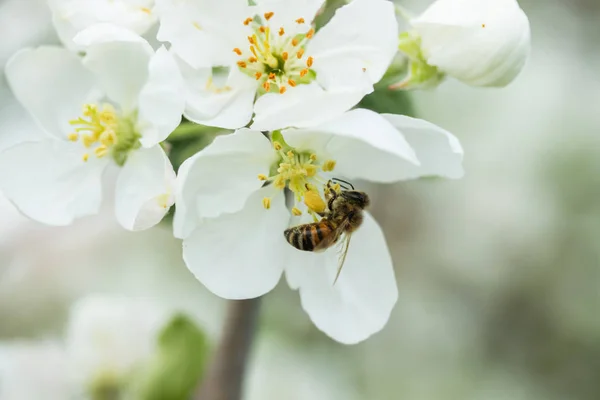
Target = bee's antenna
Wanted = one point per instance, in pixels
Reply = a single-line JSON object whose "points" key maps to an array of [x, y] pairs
{"points": [[346, 182]]}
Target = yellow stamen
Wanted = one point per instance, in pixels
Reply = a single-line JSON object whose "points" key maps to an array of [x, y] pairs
{"points": [[310, 33], [313, 157], [146, 10], [267, 86], [277, 146], [291, 82], [296, 212], [262, 177], [73, 137], [284, 56], [252, 59], [281, 31], [261, 29], [272, 76], [282, 90], [268, 15], [100, 151], [303, 72], [258, 75], [85, 157], [329, 165], [266, 203], [300, 21], [242, 64], [248, 20], [294, 42], [237, 51], [309, 62], [300, 53], [314, 202], [197, 25]]}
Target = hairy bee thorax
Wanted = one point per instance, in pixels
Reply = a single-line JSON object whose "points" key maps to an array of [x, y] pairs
{"points": [[300, 172], [276, 58], [103, 131]]}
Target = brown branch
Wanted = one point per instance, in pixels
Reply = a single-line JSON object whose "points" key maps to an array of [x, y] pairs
{"points": [[225, 377]]}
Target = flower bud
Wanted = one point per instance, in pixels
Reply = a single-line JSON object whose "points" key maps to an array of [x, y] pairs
{"points": [[479, 42]]}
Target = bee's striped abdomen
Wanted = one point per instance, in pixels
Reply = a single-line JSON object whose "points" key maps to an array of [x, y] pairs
{"points": [[306, 237]]}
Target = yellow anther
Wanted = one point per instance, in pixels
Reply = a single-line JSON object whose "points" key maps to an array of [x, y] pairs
{"points": [[248, 20], [89, 109], [281, 31], [313, 157], [262, 29], [310, 33], [290, 154], [85, 157], [296, 212], [291, 82], [294, 42], [108, 138], [252, 59], [300, 53], [266, 203], [267, 86], [309, 62], [197, 25], [100, 151], [483, 25], [251, 39], [237, 51], [311, 170], [277, 146], [258, 75], [284, 55], [272, 76], [242, 64], [262, 177], [88, 140], [303, 72], [268, 15], [314, 202], [73, 137], [300, 21], [279, 182], [282, 90], [146, 10], [328, 165]]}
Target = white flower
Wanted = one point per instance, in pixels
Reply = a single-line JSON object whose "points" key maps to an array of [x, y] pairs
{"points": [[233, 226], [58, 179], [271, 50], [479, 42], [73, 16], [110, 337]]}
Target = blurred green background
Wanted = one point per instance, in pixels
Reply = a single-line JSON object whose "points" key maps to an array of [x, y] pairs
{"points": [[498, 274]]}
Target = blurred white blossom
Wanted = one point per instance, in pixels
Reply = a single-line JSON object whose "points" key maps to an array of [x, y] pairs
{"points": [[271, 50], [242, 254], [112, 107], [479, 42]]}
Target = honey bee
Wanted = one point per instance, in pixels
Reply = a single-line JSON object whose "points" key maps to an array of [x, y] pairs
{"points": [[342, 217]]}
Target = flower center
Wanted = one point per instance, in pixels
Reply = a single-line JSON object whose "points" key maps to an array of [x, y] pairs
{"points": [[103, 131], [299, 172], [275, 58]]}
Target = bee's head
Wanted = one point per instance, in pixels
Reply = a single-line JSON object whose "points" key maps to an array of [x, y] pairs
{"points": [[359, 199]]}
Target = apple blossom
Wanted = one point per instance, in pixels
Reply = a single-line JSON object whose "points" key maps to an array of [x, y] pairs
{"points": [[111, 108], [232, 221], [73, 16], [479, 42], [277, 66]]}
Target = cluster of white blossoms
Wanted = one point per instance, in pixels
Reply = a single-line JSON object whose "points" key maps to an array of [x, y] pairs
{"points": [[130, 69]]}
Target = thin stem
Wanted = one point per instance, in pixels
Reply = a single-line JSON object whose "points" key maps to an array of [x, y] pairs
{"points": [[225, 377]]}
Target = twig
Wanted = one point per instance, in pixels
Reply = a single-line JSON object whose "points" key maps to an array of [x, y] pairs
{"points": [[225, 376]]}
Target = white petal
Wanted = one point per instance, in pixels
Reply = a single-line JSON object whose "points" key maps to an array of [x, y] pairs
{"points": [[52, 84], [204, 32], [439, 152], [210, 100], [119, 59], [364, 145], [220, 178], [161, 102], [72, 16], [304, 106], [286, 13], [480, 42], [362, 34], [239, 256], [49, 182], [144, 191], [359, 304]]}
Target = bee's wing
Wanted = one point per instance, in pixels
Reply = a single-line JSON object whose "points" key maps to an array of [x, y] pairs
{"points": [[342, 250]]}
